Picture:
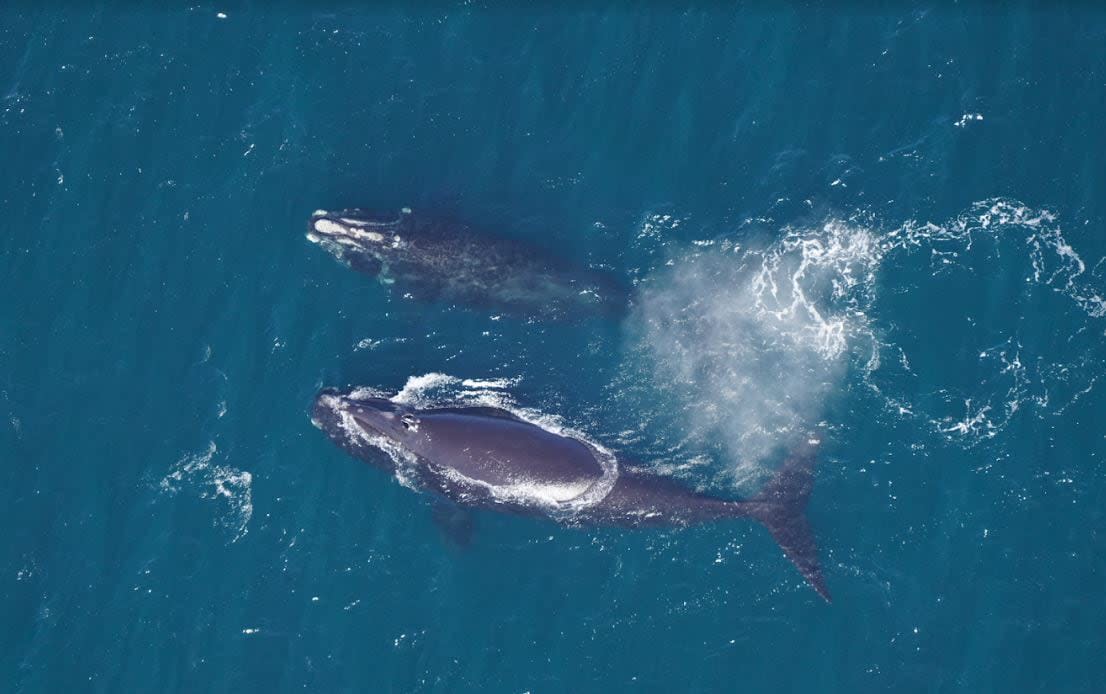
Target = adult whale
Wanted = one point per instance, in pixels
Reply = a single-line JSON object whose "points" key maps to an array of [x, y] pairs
{"points": [[490, 458], [437, 260]]}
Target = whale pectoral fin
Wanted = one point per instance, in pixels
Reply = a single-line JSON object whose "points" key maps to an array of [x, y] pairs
{"points": [[454, 522], [781, 507], [365, 263]]}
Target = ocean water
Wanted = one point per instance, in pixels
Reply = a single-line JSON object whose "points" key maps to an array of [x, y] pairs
{"points": [[886, 220]]}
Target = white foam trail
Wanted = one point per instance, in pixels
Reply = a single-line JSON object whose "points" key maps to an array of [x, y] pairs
{"points": [[420, 389], [745, 345], [1063, 361], [496, 383], [227, 484]]}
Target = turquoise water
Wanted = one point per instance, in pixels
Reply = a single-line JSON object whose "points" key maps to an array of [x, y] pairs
{"points": [[887, 221]]}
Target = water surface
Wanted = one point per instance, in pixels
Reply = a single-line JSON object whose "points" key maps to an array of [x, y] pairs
{"points": [[888, 221]]}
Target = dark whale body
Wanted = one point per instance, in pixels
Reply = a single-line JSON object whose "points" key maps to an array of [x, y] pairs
{"points": [[488, 458], [438, 260]]}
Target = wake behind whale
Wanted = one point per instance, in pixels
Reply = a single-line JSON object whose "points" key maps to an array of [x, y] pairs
{"points": [[440, 261]]}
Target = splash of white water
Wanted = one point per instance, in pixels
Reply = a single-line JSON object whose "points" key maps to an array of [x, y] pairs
{"points": [[748, 344], [227, 485]]}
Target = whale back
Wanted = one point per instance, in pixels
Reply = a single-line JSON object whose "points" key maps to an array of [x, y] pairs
{"points": [[497, 450]]}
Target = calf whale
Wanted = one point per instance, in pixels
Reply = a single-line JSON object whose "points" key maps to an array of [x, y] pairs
{"points": [[490, 458], [437, 260]]}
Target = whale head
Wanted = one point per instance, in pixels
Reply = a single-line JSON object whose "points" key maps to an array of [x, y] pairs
{"points": [[357, 230], [358, 422]]}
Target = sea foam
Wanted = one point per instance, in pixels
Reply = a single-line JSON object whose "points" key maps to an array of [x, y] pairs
{"points": [[737, 348]]}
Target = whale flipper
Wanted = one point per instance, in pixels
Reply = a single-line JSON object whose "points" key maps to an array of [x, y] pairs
{"points": [[365, 264], [781, 507], [455, 523]]}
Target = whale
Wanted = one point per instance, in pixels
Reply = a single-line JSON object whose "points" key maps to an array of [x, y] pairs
{"points": [[437, 260], [491, 458]]}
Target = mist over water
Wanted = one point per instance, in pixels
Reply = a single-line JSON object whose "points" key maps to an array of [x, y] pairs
{"points": [[749, 342], [753, 342]]}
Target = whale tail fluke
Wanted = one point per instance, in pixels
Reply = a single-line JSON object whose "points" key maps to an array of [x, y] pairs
{"points": [[781, 507]]}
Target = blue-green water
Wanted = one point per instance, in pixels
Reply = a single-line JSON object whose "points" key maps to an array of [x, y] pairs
{"points": [[889, 221]]}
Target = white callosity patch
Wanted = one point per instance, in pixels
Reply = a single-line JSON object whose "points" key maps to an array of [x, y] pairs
{"points": [[340, 232], [750, 342], [223, 483], [348, 235]]}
